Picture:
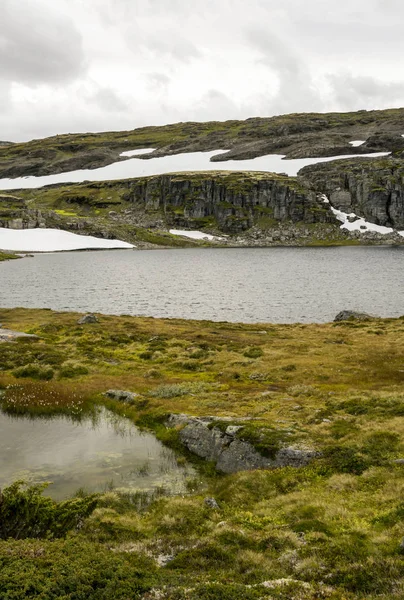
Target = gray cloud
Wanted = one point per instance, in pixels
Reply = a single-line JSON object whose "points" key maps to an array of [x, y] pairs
{"points": [[37, 44], [294, 77], [354, 92], [158, 81], [74, 65], [171, 45], [108, 100], [215, 105]]}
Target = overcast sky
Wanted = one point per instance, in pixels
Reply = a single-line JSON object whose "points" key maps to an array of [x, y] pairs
{"points": [[93, 65]]}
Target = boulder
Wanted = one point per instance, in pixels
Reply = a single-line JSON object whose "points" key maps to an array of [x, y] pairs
{"points": [[211, 503], [87, 319], [8, 335], [230, 453], [122, 396], [352, 315]]}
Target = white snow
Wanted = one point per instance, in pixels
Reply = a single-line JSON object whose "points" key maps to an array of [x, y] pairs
{"points": [[137, 152], [53, 240], [358, 223], [191, 161], [195, 235], [352, 222], [356, 143]]}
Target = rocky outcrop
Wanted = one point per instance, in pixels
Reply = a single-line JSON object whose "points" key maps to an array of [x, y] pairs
{"points": [[234, 202], [227, 449], [371, 188], [352, 315], [89, 318], [14, 213], [9, 335], [122, 396]]}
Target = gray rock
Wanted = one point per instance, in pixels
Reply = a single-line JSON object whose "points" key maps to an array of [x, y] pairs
{"points": [[352, 315], [230, 453], [211, 503], [87, 319], [233, 429], [163, 559], [122, 396], [399, 461], [8, 335]]}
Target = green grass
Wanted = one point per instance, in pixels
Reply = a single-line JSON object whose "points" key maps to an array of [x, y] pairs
{"points": [[7, 256], [330, 530]]}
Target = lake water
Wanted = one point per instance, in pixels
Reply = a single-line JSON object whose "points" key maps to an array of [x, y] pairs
{"points": [[94, 454], [280, 285]]}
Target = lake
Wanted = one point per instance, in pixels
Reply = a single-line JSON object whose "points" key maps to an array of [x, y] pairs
{"points": [[96, 454], [279, 285]]}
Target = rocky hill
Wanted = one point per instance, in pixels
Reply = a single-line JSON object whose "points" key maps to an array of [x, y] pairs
{"points": [[296, 135], [251, 208]]}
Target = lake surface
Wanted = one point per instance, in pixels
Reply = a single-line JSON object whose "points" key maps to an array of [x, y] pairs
{"points": [[279, 285], [95, 454]]}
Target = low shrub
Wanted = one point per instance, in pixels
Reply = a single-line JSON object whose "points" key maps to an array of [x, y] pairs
{"points": [[26, 513], [34, 371], [254, 352], [70, 371]]}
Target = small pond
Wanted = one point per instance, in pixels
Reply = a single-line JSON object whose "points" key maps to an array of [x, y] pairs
{"points": [[98, 453]]}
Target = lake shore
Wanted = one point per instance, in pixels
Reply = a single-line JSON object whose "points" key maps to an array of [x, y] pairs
{"points": [[330, 529]]}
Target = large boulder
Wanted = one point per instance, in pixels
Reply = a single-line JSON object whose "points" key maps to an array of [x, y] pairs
{"points": [[87, 319], [230, 453], [122, 396], [352, 315]]}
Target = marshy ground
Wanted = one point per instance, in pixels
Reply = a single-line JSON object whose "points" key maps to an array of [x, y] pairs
{"points": [[333, 529]]}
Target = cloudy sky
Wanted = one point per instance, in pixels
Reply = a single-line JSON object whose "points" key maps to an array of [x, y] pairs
{"points": [[93, 65]]}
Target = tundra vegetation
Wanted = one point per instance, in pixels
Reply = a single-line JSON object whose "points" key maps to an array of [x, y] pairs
{"points": [[7, 256], [333, 529]]}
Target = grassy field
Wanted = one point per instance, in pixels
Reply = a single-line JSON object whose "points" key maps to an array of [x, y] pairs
{"points": [[329, 530]]}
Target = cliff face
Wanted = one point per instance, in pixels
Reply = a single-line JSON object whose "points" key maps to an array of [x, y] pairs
{"points": [[371, 188], [14, 214], [234, 202]]}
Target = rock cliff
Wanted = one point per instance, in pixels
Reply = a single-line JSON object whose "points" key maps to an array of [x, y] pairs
{"points": [[233, 202], [372, 188]]}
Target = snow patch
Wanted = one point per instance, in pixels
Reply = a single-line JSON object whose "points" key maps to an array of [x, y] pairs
{"points": [[141, 151], [351, 221], [191, 161], [53, 240], [195, 235], [356, 143]]}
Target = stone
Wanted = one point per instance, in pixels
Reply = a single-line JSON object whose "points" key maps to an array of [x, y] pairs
{"points": [[122, 396], [211, 503], [232, 454], [352, 315], [233, 429], [399, 461], [163, 559], [8, 335], [90, 318]]}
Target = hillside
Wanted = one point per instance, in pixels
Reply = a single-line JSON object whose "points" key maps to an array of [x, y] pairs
{"points": [[251, 208]]}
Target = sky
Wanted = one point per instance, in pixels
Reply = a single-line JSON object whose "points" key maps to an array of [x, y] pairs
{"points": [[98, 65]]}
